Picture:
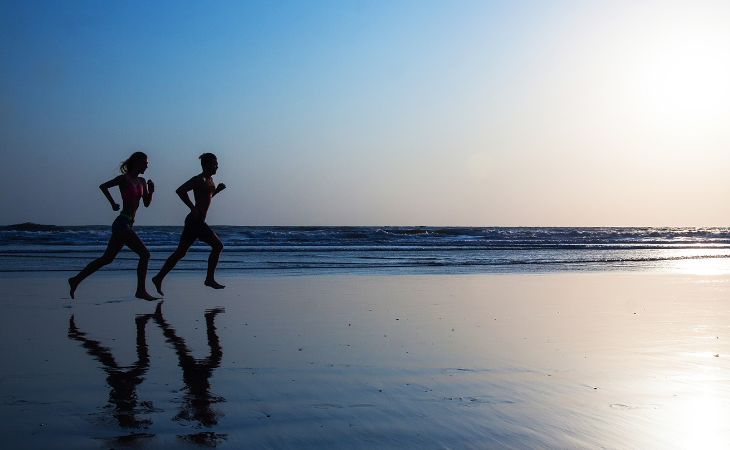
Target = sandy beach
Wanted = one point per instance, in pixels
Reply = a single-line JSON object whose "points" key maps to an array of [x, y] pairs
{"points": [[563, 360]]}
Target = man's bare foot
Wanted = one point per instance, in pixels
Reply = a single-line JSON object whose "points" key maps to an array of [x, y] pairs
{"points": [[72, 284], [158, 284], [214, 284], [144, 295], [158, 310], [141, 320]]}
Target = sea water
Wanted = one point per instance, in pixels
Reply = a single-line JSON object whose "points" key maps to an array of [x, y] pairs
{"points": [[311, 250]]}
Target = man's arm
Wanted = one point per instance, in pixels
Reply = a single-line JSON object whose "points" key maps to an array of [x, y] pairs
{"points": [[218, 188], [183, 190], [105, 190]]}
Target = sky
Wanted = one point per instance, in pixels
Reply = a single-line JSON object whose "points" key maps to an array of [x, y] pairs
{"points": [[463, 113]]}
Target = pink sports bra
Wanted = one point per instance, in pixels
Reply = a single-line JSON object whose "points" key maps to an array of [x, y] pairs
{"points": [[132, 190]]}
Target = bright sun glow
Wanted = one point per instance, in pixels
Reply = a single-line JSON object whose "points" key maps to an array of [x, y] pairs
{"points": [[678, 75], [684, 83]]}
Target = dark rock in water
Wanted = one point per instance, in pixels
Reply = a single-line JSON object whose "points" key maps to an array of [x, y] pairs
{"points": [[30, 226]]}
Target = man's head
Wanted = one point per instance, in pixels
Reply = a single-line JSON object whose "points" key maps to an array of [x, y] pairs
{"points": [[209, 163]]}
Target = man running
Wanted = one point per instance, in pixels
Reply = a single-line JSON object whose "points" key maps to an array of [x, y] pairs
{"points": [[204, 189]]}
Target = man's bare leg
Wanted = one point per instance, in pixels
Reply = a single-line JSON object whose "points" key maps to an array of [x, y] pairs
{"points": [[216, 249], [172, 260]]}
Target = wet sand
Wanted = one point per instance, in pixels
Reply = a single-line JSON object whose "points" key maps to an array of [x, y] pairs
{"points": [[565, 360]]}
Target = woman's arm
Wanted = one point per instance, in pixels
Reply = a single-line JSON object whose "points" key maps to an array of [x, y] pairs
{"points": [[105, 190], [149, 189]]}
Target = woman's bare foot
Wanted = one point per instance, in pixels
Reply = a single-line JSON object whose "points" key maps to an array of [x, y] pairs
{"points": [[214, 312], [72, 284], [158, 284], [144, 295], [214, 284]]}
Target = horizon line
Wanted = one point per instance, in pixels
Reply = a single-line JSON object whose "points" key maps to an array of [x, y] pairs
{"points": [[381, 225]]}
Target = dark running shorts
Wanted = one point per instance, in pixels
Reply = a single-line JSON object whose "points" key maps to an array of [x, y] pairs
{"points": [[195, 228], [122, 224]]}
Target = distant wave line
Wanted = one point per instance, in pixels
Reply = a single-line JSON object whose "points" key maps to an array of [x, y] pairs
{"points": [[377, 248], [288, 265]]}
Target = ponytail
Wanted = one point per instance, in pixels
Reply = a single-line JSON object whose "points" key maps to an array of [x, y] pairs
{"points": [[136, 157]]}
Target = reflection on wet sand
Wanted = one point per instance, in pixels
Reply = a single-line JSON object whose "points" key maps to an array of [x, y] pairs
{"points": [[603, 360], [197, 401], [123, 381]]}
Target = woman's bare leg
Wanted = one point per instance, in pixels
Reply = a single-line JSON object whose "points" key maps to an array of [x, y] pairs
{"points": [[116, 242], [133, 241]]}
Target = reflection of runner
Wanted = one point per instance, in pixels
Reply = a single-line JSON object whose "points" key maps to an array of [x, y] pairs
{"points": [[196, 372], [204, 189], [133, 188], [122, 383]]}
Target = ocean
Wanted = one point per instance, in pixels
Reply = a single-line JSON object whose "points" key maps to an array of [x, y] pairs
{"points": [[400, 250]]}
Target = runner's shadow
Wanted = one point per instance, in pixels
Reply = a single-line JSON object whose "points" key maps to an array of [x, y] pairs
{"points": [[122, 380]]}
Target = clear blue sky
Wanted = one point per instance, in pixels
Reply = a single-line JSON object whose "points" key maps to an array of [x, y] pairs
{"points": [[362, 113]]}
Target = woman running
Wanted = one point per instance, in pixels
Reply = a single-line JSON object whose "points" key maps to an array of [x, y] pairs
{"points": [[133, 188]]}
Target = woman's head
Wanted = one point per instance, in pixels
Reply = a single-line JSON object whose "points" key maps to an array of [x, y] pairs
{"points": [[135, 163]]}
